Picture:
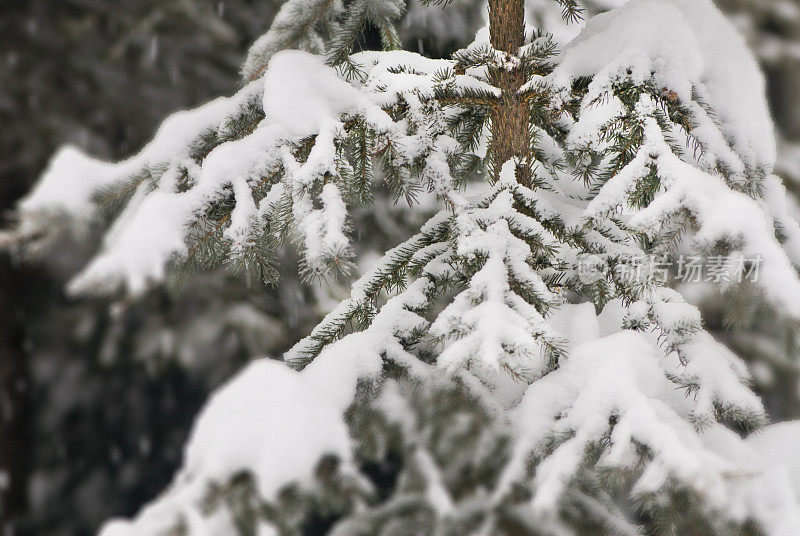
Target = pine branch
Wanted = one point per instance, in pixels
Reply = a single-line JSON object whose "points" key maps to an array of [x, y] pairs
{"points": [[293, 27], [390, 274]]}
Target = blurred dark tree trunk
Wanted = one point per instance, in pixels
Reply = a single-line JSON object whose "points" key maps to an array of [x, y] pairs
{"points": [[16, 289], [14, 384]]}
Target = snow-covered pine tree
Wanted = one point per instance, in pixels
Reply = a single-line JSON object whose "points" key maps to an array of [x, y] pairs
{"points": [[479, 380]]}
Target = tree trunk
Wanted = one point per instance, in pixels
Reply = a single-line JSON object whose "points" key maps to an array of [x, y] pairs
{"points": [[14, 385], [510, 130], [19, 288]]}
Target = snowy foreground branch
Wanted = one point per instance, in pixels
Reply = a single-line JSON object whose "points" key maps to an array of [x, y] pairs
{"points": [[474, 382]]}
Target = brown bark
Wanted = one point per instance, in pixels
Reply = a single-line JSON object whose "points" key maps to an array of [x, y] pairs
{"points": [[510, 131]]}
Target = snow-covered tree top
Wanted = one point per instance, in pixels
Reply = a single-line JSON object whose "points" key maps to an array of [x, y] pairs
{"points": [[198, 157]]}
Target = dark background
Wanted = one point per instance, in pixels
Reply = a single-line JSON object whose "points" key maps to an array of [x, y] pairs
{"points": [[99, 74]]}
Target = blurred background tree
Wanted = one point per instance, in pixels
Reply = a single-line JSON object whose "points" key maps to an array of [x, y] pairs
{"points": [[96, 397]]}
